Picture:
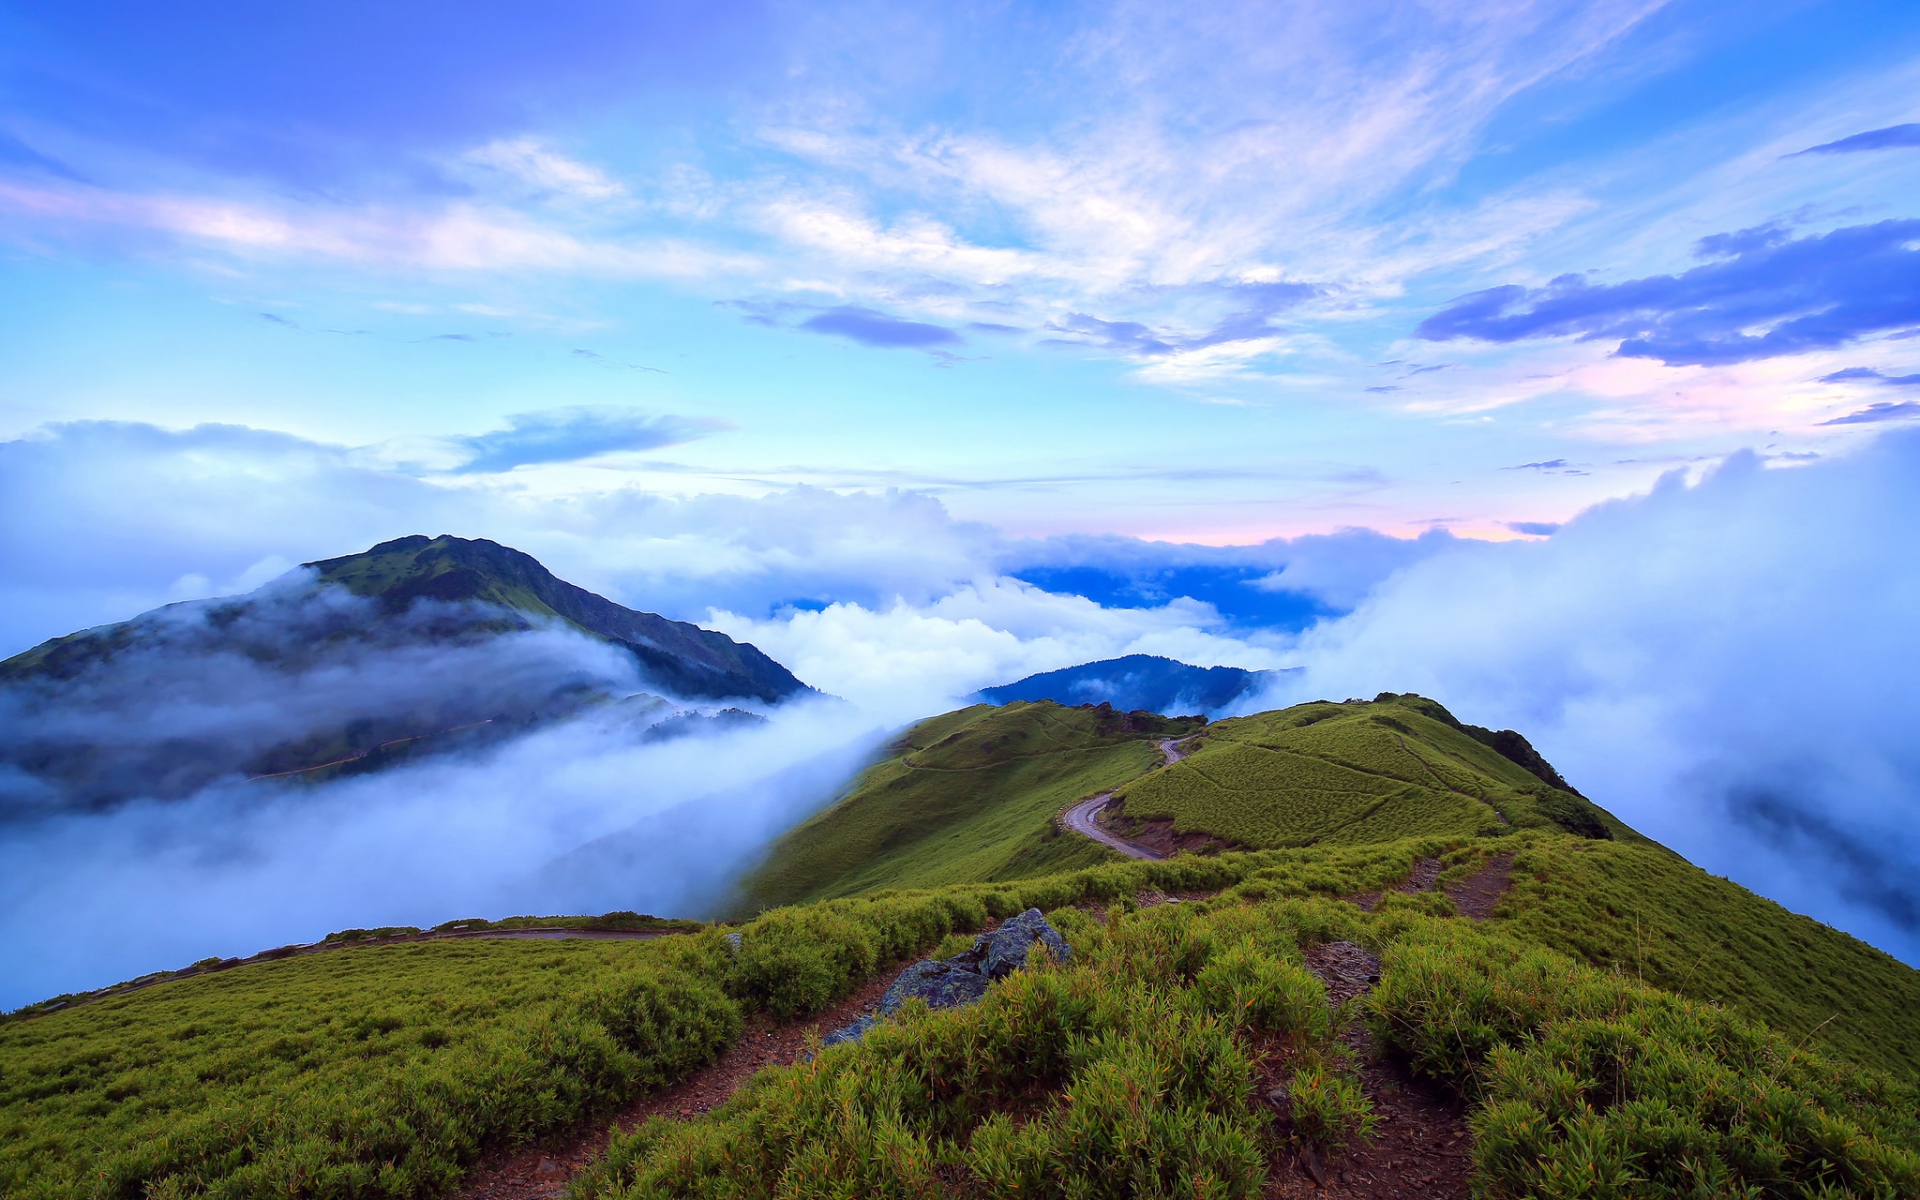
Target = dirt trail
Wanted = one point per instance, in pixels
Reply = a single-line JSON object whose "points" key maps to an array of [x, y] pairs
{"points": [[1474, 896], [1081, 819], [541, 1172], [1421, 1150]]}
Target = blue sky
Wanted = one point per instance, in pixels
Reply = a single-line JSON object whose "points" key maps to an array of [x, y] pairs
{"points": [[1560, 361], [1264, 270]]}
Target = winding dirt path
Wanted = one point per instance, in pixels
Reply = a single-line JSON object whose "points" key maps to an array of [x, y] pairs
{"points": [[1082, 818]]}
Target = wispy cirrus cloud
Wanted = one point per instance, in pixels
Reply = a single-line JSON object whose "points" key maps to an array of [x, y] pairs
{"points": [[1874, 414], [1893, 137], [570, 434]]}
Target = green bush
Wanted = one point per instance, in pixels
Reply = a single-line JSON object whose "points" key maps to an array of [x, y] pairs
{"points": [[1254, 991], [1329, 1110], [1592, 1085]]}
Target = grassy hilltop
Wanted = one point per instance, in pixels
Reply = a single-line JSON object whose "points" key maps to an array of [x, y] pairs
{"points": [[1621, 1024], [972, 796], [1398, 766], [965, 797]]}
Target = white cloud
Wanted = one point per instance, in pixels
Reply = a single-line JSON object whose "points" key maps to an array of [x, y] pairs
{"points": [[1725, 665], [909, 661], [529, 162]]}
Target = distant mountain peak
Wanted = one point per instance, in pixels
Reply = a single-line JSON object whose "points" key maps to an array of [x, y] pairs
{"points": [[417, 646], [682, 657], [1137, 681]]}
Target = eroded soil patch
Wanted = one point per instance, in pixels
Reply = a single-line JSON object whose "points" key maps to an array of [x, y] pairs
{"points": [[1421, 1149], [541, 1172], [1158, 834], [1476, 895], [1421, 879]]}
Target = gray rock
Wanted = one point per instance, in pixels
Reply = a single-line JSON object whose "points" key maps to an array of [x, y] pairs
{"points": [[962, 979], [1004, 951], [849, 1033], [947, 984]]}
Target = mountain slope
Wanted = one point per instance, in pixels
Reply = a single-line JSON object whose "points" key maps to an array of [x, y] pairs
{"points": [[1136, 681], [960, 799], [1359, 772], [416, 646], [683, 658], [390, 1071], [964, 797]]}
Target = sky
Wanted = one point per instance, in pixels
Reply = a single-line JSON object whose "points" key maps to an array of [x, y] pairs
{"points": [[1215, 277], [1557, 360]]}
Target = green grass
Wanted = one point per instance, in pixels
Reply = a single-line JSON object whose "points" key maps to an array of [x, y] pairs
{"points": [[1625, 1025], [1131, 1072], [1650, 913], [1395, 767], [359, 1071], [385, 1071], [1594, 1084], [965, 797]]}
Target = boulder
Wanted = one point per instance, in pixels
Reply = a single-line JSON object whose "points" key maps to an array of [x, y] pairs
{"points": [[947, 984], [1004, 951], [963, 979]]}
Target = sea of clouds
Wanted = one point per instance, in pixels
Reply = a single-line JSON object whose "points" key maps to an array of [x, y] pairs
{"points": [[1723, 662]]}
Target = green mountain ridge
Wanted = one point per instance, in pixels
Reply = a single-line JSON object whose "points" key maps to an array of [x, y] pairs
{"points": [[1614, 1023], [683, 657], [974, 796], [183, 696]]}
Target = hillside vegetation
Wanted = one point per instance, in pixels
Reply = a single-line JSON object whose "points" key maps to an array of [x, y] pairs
{"points": [[971, 796], [965, 797], [1622, 1024], [1398, 766], [385, 1071]]}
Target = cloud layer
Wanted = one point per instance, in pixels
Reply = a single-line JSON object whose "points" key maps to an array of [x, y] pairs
{"points": [[1725, 665]]}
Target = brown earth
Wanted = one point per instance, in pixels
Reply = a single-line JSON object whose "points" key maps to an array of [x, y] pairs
{"points": [[1421, 1148], [1476, 895], [541, 1172]]}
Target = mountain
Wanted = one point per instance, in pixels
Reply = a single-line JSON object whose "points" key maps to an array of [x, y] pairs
{"points": [[1356, 773], [972, 795], [420, 645], [681, 658], [1137, 682], [964, 797], [1447, 976], [976, 797]]}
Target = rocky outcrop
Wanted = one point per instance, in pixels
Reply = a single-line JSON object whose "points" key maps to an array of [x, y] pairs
{"points": [[963, 979]]}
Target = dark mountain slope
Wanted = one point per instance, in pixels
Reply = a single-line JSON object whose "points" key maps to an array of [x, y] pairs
{"points": [[1137, 681], [417, 646], [683, 658]]}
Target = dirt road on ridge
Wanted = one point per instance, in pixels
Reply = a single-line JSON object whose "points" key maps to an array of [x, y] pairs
{"points": [[1081, 818]]}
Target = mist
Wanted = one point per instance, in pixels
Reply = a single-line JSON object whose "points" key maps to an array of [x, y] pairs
{"points": [[165, 800], [1727, 664], [89, 899]]}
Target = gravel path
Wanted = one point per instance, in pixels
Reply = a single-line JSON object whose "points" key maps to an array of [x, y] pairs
{"points": [[1080, 819]]}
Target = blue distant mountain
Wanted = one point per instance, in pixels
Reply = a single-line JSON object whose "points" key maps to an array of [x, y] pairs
{"points": [[1138, 681]]}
